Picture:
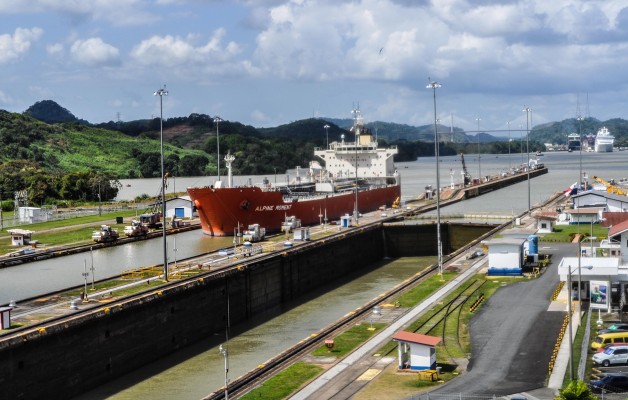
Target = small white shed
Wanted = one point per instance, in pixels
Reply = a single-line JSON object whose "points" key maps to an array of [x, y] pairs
{"points": [[179, 207], [545, 221], [505, 256], [416, 352], [20, 237]]}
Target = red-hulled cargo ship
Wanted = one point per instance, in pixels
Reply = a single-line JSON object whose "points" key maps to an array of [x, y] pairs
{"points": [[322, 195]]}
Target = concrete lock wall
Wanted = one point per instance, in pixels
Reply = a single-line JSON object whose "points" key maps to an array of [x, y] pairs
{"points": [[80, 352]]}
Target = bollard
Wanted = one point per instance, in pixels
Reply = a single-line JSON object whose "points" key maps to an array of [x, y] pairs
{"points": [[73, 305]]}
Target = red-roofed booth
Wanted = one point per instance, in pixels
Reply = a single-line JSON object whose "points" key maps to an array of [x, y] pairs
{"points": [[416, 351]]}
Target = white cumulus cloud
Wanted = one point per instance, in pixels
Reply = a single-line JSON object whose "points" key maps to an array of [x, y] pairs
{"points": [[13, 47], [94, 52]]}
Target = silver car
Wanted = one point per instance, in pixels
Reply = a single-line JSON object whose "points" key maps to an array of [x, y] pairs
{"points": [[612, 355]]}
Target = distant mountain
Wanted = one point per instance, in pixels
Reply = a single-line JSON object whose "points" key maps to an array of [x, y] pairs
{"points": [[50, 112]]}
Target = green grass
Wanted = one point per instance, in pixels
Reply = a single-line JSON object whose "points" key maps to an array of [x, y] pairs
{"points": [[423, 290], [577, 346], [349, 340], [566, 233], [284, 383], [67, 231]]}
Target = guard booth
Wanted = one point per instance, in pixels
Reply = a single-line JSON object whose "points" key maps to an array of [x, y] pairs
{"points": [[20, 237], [416, 352]]}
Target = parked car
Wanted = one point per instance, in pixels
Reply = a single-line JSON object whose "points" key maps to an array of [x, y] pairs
{"points": [[612, 355], [615, 383], [614, 328], [601, 349]]}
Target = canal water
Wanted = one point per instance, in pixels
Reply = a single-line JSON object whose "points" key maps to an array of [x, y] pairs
{"points": [[197, 371], [194, 372]]}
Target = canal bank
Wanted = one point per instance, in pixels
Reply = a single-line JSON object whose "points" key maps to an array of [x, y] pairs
{"points": [[124, 335]]}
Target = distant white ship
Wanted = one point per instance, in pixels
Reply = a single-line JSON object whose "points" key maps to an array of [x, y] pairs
{"points": [[604, 141]]}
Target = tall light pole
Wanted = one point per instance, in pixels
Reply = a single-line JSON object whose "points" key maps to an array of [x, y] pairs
{"points": [[434, 86], [161, 93], [570, 324], [225, 353], [217, 120], [327, 134], [509, 164], [580, 180], [356, 127], [479, 157], [527, 111]]}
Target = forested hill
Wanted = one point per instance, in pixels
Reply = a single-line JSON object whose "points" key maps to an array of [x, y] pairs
{"points": [[52, 154]]}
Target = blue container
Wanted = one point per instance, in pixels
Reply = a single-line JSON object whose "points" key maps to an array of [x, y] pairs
{"points": [[533, 247]]}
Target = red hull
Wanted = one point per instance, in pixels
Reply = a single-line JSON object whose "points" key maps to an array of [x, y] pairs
{"points": [[222, 210]]}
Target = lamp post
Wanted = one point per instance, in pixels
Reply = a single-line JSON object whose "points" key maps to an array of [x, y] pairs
{"points": [[225, 354], [580, 180], [527, 111], [479, 156], [434, 86], [327, 134], [569, 310], [509, 163], [161, 93], [217, 120], [356, 128], [570, 324]]}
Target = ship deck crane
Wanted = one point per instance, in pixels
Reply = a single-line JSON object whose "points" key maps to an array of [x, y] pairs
{"points": [[467, 177], [610, 188]]}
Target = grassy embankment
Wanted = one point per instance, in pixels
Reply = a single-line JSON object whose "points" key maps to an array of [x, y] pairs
{"points": [[67, 231]]}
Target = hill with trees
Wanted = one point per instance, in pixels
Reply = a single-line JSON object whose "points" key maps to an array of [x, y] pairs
{"points": [[52, 154]]}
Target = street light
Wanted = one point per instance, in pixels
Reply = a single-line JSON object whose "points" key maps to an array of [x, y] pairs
{"points": [[527, 111], [161, 93], [225, 354], [217, 120], [327, 134], [580, 180], [356, 128], [509, 164], [434, 86], [479, 156], [569, 308]]}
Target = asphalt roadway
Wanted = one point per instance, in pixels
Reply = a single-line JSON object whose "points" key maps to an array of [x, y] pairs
{"points": [[512, 339], [513, 336]]}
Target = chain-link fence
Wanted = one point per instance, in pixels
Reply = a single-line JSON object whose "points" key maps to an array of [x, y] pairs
{"points": [[51, 213]]}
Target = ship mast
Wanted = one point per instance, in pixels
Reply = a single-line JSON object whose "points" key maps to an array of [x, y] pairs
{"points": [[228, 160]]}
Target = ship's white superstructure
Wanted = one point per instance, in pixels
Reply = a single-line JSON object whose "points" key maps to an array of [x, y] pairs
{"points": [[604, 141]]}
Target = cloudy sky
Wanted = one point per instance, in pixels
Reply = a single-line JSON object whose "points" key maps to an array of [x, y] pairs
{"points": [[270, 62]]}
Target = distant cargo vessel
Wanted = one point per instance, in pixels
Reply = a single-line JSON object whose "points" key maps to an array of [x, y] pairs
{"points": [[604, 141], [573, 142], [324, 194]]}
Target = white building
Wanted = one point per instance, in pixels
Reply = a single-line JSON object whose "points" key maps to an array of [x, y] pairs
{"points": [[604, 279], [505, 256], [30, 214], [180, 207], [416, 351], [600, 199]]}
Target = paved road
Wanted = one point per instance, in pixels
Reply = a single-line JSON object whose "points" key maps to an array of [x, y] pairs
{"points": [[513, 336]]}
